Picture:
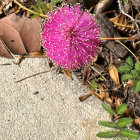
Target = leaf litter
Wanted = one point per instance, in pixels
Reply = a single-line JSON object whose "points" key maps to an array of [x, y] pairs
{"points": [[20, 35]]}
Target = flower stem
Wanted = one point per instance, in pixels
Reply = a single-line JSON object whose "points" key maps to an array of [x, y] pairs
{"points": [[29, 10], [118, 38]]}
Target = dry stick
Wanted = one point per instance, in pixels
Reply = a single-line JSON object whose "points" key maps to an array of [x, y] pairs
{"points": [[123, 25], [29, 10], [98, 72], [128, 50], [32, 75], [118, 38], [123, 12]]}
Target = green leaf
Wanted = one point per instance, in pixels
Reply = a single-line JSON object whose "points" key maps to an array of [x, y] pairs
{"points": [[129, 62], [121, 109], [35, 15], [129, 134], [42, 6], [107, 124], [124, 69], [134, 74], [123, 122], [137, 66], [126, 77], [33, 7], [52, 3], [93, 85], [136, 87], [125, 1], [107, 134], [108, 109]]}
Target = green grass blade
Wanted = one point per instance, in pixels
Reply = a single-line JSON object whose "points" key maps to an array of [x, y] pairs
{"points": [[107, 134], [108, 109], [123, 122], [121, 109], [129, 134]]}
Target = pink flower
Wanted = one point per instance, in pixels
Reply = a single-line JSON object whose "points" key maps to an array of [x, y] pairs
{"points": [[70, 36]]}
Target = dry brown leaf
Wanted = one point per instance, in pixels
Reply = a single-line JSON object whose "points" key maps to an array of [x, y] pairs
{"points": [[114, 74], [67, 73], [84, 97], [122, 20], [137, 121], [96, 94], [104, 93], [4, 52], [19, 35]]}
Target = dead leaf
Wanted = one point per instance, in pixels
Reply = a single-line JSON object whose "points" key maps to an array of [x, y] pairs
{"points": [[19, 35], [67, 73], [104, 93], [84, 97], [4, 52], [96, 94], [114, 74]]}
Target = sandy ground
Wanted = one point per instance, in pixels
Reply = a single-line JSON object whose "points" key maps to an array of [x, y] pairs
{"points": [[55, 113]]}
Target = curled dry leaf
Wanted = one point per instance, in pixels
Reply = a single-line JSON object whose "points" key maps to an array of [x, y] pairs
{"points": [[67, 73], [96, 94], [84, 97], [104, 93], [114, 74], [19, 35]]}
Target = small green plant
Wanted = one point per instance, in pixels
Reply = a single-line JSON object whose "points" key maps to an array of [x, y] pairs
{"points": [[131, 71], [119, 132], [41, 8]]}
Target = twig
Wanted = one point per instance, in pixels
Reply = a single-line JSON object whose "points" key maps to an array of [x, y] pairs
{"points": [[128, 50], [98, 72], [118, 38], [32, 75], [29, 10], [123, 12]]}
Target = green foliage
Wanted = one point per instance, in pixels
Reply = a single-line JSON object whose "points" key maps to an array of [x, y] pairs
{"points": [[121, 109], [136, 87], [131, 71], [129, 62], [123, 122], [41, 8], [129, 134], [94, 85], [107, 124], [52, 3], [107, 134], [108, 109], [126, 1], [119, 131]]}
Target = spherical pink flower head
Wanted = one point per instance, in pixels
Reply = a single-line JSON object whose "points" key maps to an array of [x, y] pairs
{"points": [[70, 36]]}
